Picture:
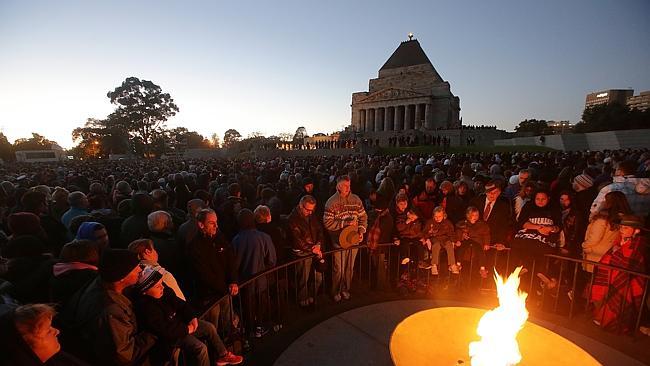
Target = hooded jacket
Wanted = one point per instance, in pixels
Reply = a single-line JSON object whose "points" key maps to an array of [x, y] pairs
{"points": [[636, 190], [101, 325]]}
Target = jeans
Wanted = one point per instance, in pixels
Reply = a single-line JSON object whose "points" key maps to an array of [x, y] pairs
{"points": [[304, 268], [342, 270], [220, 316], [203, 343], [435, 252]]}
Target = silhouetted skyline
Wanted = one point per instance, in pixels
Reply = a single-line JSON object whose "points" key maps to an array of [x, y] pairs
{"points": [[271, 67]]}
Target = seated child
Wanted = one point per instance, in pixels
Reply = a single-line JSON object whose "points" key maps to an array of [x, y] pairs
{"points": [[439, 233], [174, 322]]}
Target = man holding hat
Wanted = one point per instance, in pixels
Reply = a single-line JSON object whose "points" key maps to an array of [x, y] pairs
{"points": [[343, 209], [100, 320]]}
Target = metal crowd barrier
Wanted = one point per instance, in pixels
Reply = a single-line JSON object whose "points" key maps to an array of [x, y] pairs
{"points": [[271, 298]]}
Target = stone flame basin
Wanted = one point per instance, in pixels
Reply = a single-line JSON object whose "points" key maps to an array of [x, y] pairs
{"points": [[441, 336]]}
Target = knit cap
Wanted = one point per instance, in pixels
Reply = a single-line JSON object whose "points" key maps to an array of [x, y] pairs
{"points": [[148, 278], [582, 182], [115, 264]]}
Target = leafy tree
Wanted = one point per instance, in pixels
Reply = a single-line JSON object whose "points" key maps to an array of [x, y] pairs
{"points": [[36, 142], [536, 127], [230, 137], [215, 141], [607, 117], [300, 134], [143, 109], [101, 137], [6, 149]]}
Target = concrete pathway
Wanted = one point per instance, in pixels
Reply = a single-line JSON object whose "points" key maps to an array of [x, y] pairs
{"points": [[361, 337]]}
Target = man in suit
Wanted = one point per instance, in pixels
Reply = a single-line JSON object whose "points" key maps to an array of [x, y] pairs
{"points": [[495, 210]]}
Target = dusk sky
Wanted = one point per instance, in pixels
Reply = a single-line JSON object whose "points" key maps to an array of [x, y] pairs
{"points": [[271, 66]]}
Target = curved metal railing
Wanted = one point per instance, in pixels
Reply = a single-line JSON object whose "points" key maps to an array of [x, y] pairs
{"points": [[272, 297]]}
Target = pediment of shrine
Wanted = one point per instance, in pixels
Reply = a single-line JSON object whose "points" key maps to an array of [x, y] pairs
{"points": [[390, 94]]}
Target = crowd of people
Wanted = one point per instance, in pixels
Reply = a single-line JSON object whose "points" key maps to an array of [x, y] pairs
{"points": [[416, 140], [131, 260]]}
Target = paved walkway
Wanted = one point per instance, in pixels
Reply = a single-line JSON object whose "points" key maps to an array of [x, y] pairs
{"points": [[361, 337]]}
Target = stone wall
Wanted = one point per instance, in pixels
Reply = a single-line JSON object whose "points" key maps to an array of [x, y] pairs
{"points": [[595, 141]]}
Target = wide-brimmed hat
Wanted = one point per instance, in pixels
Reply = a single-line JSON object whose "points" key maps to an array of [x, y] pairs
{"points": [[349, 237], [631, 221]]}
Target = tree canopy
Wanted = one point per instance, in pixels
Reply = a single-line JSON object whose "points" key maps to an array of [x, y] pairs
{"points": [[614, 116], [6, 149], [300, 134], [230, 137], [534, 126], [36, 142], [142, 109]]}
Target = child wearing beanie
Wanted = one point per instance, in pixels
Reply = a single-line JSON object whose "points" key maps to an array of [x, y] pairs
{"points": [[165, 315]]}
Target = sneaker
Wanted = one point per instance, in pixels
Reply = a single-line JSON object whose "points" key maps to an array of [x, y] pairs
{"points": [[434, 270], [277, 327], [424, 265], [337, 298], [346, 295], [406, 260], [570, 295], [483, 272], [459, 265], [230, 359], [260, 332], [454, 269], [304, 303]]}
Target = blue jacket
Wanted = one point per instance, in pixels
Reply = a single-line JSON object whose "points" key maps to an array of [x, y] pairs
{"points": [[255, 252]]}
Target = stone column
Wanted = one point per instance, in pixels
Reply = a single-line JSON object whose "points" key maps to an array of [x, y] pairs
{"points": [[427, 117], [362, 120], [408, 117], [418, 117], [396, 126], [370, 126], [380, 120], [389, 124], [400, 112]]}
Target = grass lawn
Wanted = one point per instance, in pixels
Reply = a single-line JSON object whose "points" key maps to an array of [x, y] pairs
{"points": [[460, 149]]}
